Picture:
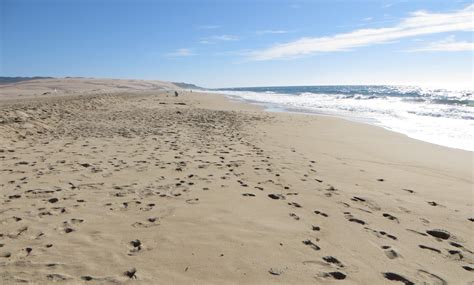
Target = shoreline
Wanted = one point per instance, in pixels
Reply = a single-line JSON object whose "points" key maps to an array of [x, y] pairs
{"points": [[366, 122], [386, 134], [201, 189], [269, 106]]}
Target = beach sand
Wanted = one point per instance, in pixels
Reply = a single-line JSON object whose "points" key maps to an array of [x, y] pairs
{"points": [[102, 184]]}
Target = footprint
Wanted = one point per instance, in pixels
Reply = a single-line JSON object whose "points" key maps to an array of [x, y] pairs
{"points": [[333, 260], [429, 248], [132, 273], [311, 244], [430, 278], [75, 221], [456, 254], [5, 254], [381, 233], [321, 214], [294, 204], [331, 188], [276, 196], [68, 230], [389, 252], [396, 277], [336, 275], [440, 234], [192, 201], [248, 194], [275, 271], [390, 217], [150, 222], [136, 246], [57, 277], [87, 278], [294, 216], [468, 268], [354, 220], [455, 244], [53, 200], [425, 221], [351, 218], [357, 199]]}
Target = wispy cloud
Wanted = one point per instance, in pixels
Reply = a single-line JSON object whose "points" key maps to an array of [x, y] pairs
{"points": [[218, 38], [182, 52], [224, 38], [264, 32], [208, 27], [448, 44], [418, 23]]}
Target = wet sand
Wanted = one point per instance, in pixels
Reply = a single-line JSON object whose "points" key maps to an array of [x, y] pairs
{"points": [[134, 185]]}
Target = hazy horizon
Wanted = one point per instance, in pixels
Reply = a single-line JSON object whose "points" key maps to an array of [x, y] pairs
{"points": [[466, 88]]}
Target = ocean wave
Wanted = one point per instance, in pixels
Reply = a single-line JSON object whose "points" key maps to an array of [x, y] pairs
{"points": [[439, 116]]}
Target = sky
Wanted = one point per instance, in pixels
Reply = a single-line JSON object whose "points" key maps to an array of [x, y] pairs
{"points": [[242, 43]]}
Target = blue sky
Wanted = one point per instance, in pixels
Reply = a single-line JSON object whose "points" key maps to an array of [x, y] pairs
{"points": [[242, 43]]}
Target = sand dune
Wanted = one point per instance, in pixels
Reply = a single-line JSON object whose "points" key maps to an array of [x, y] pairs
{"points": [[79, 85], [138, 186]]}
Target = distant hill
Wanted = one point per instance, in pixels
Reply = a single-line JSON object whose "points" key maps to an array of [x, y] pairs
{"points": [[188, 86], [7, 80]]}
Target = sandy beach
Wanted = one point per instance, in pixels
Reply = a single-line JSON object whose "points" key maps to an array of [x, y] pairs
{"points": [[121, 182]]}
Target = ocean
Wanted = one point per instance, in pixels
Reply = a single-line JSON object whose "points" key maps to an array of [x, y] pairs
{"points": [[439, 116]]}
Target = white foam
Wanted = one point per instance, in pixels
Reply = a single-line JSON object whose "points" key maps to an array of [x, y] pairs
{"points": [[447, 125]]}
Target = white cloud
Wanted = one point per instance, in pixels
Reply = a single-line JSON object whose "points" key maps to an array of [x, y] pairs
{"points": [[218, 38], [182, 52], [418, 23], [368, 19], [225, 38], [448, 44], [263, 32]]}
